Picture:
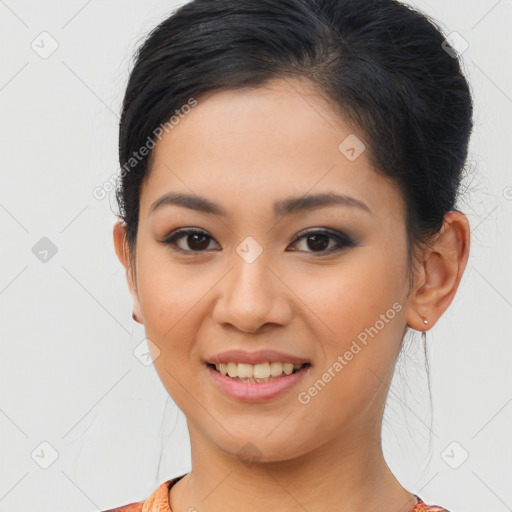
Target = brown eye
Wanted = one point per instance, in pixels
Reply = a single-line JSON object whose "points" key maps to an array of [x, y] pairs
{"points": [[320, 241], [197, 241], [188, 240]]}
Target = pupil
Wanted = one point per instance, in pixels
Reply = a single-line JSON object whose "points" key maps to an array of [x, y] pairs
{"points": [[195, 237], [321, 245]]}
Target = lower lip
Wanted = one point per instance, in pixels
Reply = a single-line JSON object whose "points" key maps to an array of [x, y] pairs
{"points": [[256, 391]]}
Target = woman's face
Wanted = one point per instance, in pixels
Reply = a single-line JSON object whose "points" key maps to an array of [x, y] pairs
{"points": [[277, 266]]}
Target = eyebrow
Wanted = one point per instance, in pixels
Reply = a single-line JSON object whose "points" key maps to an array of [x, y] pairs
{"points": [[282, 207]]}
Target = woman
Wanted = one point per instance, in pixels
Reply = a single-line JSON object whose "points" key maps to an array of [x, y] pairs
{"points": [[287, 214]]}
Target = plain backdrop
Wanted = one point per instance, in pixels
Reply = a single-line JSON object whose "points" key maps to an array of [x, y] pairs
{"points": [[85, 425]]}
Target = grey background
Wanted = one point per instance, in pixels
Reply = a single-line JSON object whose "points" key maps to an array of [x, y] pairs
{"points": [[69, 376]]}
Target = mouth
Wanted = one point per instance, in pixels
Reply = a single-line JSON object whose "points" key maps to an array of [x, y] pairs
{"points": [[257, 376], [261, 372]]}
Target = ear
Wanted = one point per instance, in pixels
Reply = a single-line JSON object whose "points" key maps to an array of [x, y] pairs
{"points": [[438, 272], [122, 251]]}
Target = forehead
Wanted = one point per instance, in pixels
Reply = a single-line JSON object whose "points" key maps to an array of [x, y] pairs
{"points": [[279, 139]]}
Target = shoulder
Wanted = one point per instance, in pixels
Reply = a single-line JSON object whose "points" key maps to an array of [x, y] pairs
{"points": [[158, 501], [131, 507], [429, 508], [421, 506]]}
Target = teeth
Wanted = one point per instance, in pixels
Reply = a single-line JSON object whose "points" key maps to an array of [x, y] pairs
{"points": [[288, 368], [260, 371], [276, 369], [256, 371], [245, 371], [232, 369]]}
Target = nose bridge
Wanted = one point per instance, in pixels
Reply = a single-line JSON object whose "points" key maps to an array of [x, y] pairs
{"points": [[251, 295]]}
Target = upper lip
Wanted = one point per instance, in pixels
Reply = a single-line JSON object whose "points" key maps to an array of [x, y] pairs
{"points": [[260, 356]]}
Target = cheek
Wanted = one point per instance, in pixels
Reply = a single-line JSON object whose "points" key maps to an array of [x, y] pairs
{"points": [[172, 302], [167, 290], [171, 299], [361, 303], [350, 297]]}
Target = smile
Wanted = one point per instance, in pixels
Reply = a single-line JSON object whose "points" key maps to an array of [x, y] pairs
{"points": [[246, 383], [261, 372]]}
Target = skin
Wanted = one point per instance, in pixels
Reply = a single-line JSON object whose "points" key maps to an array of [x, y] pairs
{"points": [[244, 150]]}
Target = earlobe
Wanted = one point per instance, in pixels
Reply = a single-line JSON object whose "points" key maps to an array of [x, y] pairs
{"points": [[439, 272]]}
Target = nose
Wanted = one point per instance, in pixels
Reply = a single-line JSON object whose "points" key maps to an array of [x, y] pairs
{"points": [[251, 296]]}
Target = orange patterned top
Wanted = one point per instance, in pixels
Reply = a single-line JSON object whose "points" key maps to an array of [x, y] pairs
{"points": [[159, 502]]}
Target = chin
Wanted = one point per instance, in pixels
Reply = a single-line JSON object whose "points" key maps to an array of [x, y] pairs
{"points": [[259, 449]]}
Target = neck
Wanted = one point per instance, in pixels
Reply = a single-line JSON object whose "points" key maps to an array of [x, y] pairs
{"points": [[345, 475]]}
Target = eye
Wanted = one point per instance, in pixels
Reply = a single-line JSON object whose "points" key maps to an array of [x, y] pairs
{"points": [[195, 239], [320, 239]]}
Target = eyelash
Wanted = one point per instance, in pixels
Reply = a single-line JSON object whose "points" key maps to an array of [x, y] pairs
{"points": [[342, 240]]}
